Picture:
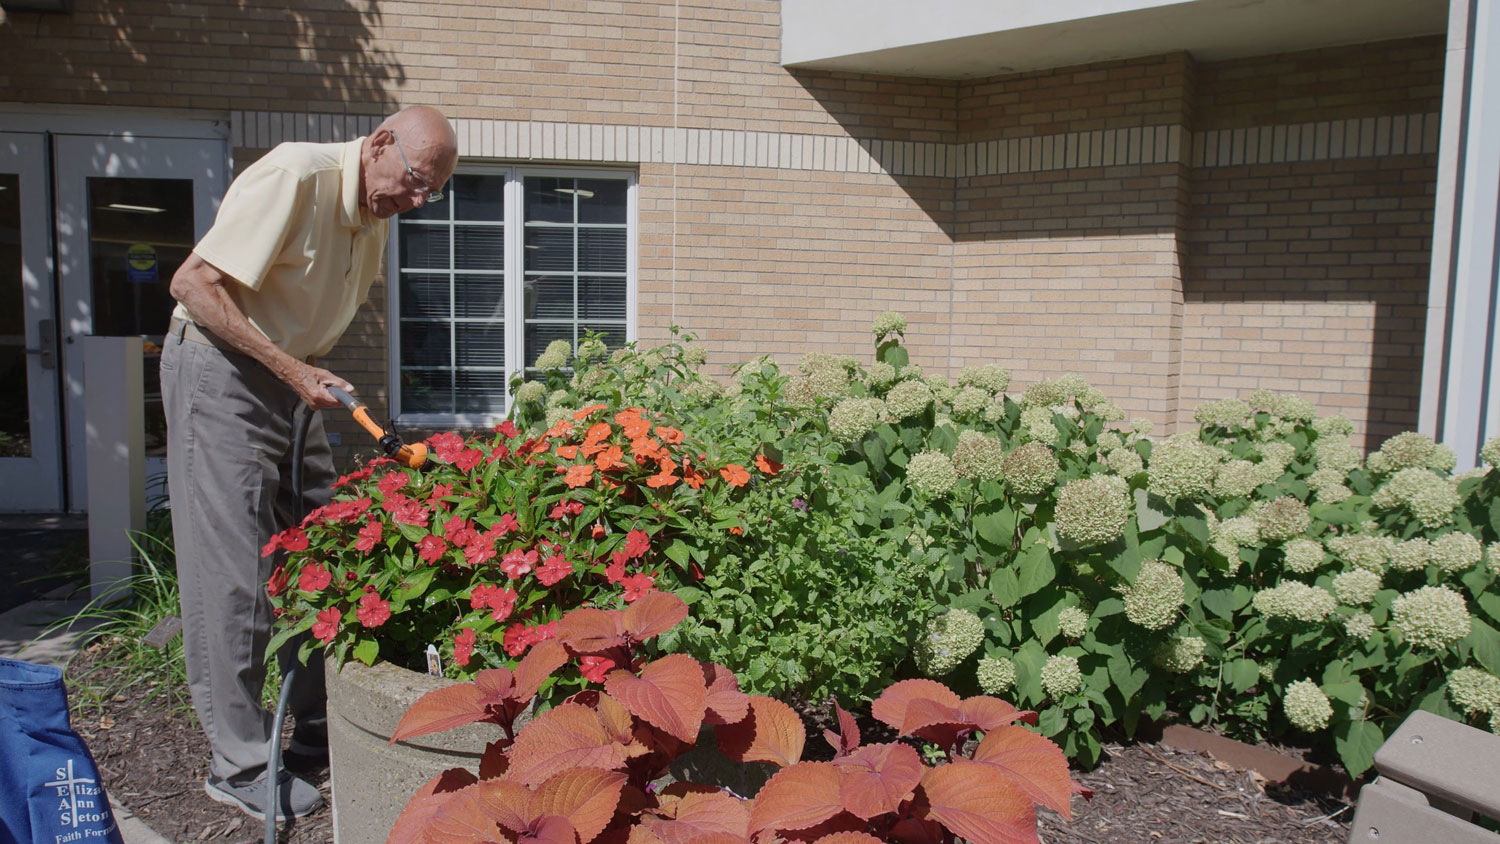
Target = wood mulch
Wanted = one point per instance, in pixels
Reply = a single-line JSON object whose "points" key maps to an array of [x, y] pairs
{"points": [[154, 761]]}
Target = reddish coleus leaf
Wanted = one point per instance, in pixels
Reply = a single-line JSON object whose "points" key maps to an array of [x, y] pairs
{"points": [[473, 815], [550, 829], [772, 732], [980, 804], [653, 614], [849, 838], [566, 736], [544, 658], [411, 826], [442, 709], [495, 761], [804, 795], [586, 797], [846, 740], [697, 815], [726, 704], [507, 803], [878, 777], [669, 694], [841, 822], [1036, 765], [590, 631], [989, 713], [917, 831], [892, 705]]}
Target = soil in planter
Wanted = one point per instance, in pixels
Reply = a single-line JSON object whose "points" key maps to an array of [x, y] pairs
{"points": [[154, 759]]}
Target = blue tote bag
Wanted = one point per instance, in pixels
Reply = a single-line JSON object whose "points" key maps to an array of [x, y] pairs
{"points": [[50, 791]]}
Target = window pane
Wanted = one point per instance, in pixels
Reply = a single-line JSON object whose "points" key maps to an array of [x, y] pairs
{"points": [[549, 249], [424, 344], [607, 205], [479, 296], [477, 197], [481, 344], [601, 250], [539, 334], [481, 392], [426, 391], [424, 295], [601, 298], [549, 297], [15, 411], [479, 248], [614, 333], [546, 200], [424, 246]]}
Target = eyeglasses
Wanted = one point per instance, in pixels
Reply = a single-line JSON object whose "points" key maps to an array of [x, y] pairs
{"points": [[433, 195]]}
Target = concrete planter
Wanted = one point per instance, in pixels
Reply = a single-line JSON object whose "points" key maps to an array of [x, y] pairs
{"points": [[373, 779]]}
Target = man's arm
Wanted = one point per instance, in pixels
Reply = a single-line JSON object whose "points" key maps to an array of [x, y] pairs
{"points": [[201, 287]]}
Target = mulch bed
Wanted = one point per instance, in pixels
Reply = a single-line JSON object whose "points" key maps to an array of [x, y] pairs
{"points": [[155, 760]]}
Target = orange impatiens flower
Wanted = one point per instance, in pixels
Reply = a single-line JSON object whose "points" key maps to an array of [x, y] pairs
{"points": [[671, 436], [636, 429], [584, 413], [609, 458], [562, 427], [596, 434], [567, 452], [647, 448], [767, 465], [737, 531], [735, 475], [691, 476], [665, 476], [579, 475]]}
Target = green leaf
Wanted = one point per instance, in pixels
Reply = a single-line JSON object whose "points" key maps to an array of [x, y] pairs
{"points": [[413, 533], [998, 528], [367, 650], [1485, 642], [1005, 587], [1495, 515], [1036, 569], [1128, 678], [1335, 514], [678, 552], [1225, 602], [1356, 743], [1152, 512], [414, 584], [1052, 720], [1243, 673], [1350, 694]]}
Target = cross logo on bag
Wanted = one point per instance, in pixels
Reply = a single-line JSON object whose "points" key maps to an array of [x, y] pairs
{"points": [[77, 793]]}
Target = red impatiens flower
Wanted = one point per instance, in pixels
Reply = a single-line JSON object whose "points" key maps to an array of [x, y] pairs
{"points": [[467, 459], [458, 531], [410, 511], [615, 571], [373, 610], [595, 667], [327, 625], [440, 491], [735, 475], [506, 524], [598, 531], [431, 548], [637, 543], [354, 477], [554, 569], [480, 551], [518, 637], [314, 578], [506, 429], [499, 452], [368, 536], [463, 646], [446, 445], [277, 582], [767, 465], [638, 586], [518, 562], [391, 481]]}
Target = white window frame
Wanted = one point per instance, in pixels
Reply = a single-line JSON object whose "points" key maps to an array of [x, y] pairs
{"points": [[515, 322]]}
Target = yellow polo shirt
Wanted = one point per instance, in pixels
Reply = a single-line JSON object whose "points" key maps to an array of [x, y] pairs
{"points": [[292, 233]]}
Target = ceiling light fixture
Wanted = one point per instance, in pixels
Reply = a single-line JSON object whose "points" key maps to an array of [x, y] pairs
{"points": [[133, 209]]}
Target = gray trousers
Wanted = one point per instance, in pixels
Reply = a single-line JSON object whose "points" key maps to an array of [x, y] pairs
{"points": [[229, 461]]}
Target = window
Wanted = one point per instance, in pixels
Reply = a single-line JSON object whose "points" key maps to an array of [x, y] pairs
{"points": [[512, 260]]}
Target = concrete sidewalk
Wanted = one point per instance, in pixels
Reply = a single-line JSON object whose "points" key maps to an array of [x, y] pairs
{"points": [[27, 633]]}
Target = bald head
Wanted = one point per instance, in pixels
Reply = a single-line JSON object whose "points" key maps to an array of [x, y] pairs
{"points": [[409, 154]]}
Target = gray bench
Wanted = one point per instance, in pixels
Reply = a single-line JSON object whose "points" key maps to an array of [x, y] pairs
{"points": [[1435, 776]]}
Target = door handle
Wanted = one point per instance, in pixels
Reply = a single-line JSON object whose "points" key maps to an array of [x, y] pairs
{"points": [[47, 347]]}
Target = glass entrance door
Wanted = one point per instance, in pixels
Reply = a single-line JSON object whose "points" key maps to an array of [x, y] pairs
{"points": [[30, 436], [129, 210]]}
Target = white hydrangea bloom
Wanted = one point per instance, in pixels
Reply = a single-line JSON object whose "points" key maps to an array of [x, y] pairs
{"points": [[1306, 706], [1236, 479], [853, 418], [1073, 622], [1152, 600], [1333, 426], [1297, 601], [978, 456], [908, 399], [1181, 466], [1061, 676], [1126, 462], [555, 356], [880, 375], [890, 322], [1356, 587], [1141, 426], [1037, 425], [530, 392], [1180, 655], [948, 641], [1303, 555], [970, 402], [1359, 626], [931, 473], [1474, 691], [995, 675], [1490, 453], [1282, 519], [1456, 552], [1093, 510], [990, 378], [1431, 617], [1031, 469]]}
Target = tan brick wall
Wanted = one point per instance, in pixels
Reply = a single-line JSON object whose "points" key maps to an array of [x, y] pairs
{"points": [[1108, 95], [1395, 77], [1311, 278]]}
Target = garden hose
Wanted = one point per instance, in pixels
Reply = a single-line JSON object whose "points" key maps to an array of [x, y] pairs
{"points": [[413, 455]]}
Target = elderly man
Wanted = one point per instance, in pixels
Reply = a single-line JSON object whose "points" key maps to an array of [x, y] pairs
{"points": [[270, 288]]}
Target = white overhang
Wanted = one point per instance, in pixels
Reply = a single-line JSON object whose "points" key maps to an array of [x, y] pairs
{"points": [[964, 39]]}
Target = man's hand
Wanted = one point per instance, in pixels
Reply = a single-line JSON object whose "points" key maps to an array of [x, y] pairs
{"points": [[312, 383]]}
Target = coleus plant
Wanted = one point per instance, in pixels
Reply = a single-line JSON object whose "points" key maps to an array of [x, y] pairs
{"points": [[585, 771]]}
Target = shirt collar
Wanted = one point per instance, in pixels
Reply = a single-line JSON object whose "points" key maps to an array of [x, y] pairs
{"points": [[350, 214]]}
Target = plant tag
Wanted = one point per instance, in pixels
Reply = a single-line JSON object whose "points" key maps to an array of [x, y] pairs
{"points": [[434, 662], [163, 632]]}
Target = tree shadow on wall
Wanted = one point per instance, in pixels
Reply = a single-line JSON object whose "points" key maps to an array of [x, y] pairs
{"points": [[313, 55]]}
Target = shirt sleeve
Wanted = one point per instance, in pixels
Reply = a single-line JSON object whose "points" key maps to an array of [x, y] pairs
{"points": [[253, 222]]}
